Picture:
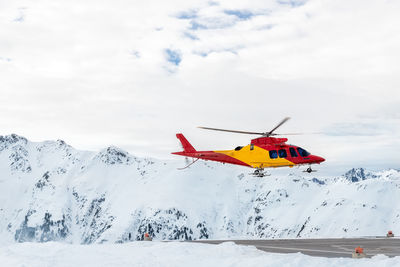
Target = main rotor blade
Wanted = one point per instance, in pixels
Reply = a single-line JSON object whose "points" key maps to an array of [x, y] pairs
{"points": [[287, 134], [231, 131], [277, 126], [295, 133]]}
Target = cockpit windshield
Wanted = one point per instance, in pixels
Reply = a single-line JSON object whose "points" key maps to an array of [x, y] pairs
{"points": [[303, 152]]}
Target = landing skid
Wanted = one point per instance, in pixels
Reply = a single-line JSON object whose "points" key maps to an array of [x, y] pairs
{"points": [[193, 162], [309, 170], [260, 173]]}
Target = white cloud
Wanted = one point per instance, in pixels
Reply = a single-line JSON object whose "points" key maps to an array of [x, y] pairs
{"points": [[95, 73]]}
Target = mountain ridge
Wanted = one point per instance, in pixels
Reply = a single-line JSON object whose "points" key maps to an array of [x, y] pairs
{"points": [[54, 192]]}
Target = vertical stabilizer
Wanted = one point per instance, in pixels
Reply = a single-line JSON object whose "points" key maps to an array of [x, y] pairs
{"points": [[187, 147]]}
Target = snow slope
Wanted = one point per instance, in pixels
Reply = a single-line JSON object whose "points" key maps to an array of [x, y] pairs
{"points": [[163, 254], [50, 191]]}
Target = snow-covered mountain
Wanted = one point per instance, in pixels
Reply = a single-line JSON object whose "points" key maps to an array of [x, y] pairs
{"points": [[51, 191]]}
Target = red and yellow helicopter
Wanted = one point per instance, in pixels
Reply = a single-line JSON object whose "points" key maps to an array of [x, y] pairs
{"points": [[262, 152]]}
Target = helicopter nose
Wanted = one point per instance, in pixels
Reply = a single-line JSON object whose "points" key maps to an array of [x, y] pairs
{"points": [[318, 159]]}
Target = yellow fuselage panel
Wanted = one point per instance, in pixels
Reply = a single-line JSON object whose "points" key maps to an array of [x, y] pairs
{"points": [[256, 158]]}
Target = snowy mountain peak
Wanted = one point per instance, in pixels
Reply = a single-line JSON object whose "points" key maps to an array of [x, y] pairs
{"points": [[114, 155], [59, 144], [52, 147], [358, 174], [12, 139], [17, 155]]}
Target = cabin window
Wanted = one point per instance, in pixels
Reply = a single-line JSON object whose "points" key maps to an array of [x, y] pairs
{"points": [[238, 148], [273, 154], [251, 146], [293, 152], [282, 153], [303, 152]]}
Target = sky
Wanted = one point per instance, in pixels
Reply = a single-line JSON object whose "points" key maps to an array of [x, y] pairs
{"points": [[135, 73]]}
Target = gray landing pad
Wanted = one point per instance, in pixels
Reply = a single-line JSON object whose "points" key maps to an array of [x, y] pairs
{"points": [[332, 248]]}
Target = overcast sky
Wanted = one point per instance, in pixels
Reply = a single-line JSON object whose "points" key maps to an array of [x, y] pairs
{"points": [[135, 73]]}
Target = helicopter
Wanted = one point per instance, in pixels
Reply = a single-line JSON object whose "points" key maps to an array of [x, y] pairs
{"points": [[262, 152]]}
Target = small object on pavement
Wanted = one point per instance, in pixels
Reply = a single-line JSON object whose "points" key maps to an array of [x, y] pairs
{"points": [[390, 234], [358, 253]]}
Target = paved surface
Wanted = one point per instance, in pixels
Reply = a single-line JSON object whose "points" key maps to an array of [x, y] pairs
{"points": [[340, 247]]}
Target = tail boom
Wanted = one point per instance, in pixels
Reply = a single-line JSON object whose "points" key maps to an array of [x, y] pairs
{"points": [[190, 151], [213, 156]]}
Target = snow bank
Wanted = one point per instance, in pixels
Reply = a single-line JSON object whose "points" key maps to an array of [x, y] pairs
{"points": [[166, 254]]}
